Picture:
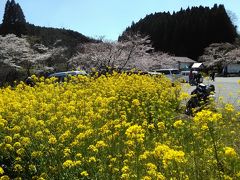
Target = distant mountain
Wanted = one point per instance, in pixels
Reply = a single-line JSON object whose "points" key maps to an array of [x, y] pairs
{"points": [[187, 32], [14, 23], [55, 37]]}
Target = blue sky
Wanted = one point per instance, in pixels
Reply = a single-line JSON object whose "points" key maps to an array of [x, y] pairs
{"points": [[107, 18]]}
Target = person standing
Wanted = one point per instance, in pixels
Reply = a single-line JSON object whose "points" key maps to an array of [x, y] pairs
{"points": [[212, 76], [190, 77], [198, 77]]}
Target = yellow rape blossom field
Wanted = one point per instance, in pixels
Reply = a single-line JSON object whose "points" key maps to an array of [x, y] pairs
{"points": [[117, 126]]}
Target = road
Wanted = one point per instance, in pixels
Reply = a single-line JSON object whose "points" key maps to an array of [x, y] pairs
{"points": [[226, 88]]}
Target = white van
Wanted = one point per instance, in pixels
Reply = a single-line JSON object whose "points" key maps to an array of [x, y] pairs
{"points": [[185, 76]]}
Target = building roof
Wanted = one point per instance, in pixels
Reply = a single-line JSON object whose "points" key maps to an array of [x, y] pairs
{"points": [[183, 59], [197, 65]]}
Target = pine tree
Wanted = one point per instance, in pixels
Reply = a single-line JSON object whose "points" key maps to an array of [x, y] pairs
{"points": [[187, 32], [13, 19], [6, 11]]}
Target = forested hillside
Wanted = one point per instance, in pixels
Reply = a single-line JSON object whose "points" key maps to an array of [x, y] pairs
{"points": [[187, 32], [14, 23], [55, 37]]}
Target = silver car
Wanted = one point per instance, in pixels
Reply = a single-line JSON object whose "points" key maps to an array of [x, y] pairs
{"points": [[61, 75]]}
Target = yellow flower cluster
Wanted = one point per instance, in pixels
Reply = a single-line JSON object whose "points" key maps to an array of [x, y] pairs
{"points": [[167, 154], [229, 108], [117, 126], [206, 117], [178, 123], [230, 152], [135, 132]]}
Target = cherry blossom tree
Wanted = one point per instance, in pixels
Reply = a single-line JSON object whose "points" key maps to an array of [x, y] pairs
{"points": [[18, 57], [120, 55]]}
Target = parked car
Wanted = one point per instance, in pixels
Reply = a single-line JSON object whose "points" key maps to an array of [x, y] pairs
{"points": [[173, 74], [62, 75], [153, 73], [185, 76]]}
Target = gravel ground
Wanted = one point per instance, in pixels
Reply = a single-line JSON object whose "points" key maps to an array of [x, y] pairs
{"points": [[226, 88]]}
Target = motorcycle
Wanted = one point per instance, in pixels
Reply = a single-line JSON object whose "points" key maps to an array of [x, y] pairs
{"points": [[200, 97]]}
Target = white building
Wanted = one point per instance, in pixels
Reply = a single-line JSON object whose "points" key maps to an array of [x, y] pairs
{"points": [[174, 62]]}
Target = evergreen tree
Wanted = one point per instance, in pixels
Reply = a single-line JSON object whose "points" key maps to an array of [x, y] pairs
{"points": [[13, 20], [187, 32], [6, 11]]}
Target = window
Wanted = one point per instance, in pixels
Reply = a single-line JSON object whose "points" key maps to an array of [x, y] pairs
{"points": [[175, 72], [166, 72]]}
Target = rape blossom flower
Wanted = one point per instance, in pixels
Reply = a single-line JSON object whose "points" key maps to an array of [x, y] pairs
{"points": [[136, 102], [1, 171], [135, 132], [230, 152]]}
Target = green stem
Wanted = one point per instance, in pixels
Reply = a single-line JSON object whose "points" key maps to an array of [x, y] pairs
{"points": [[219, 164]]}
